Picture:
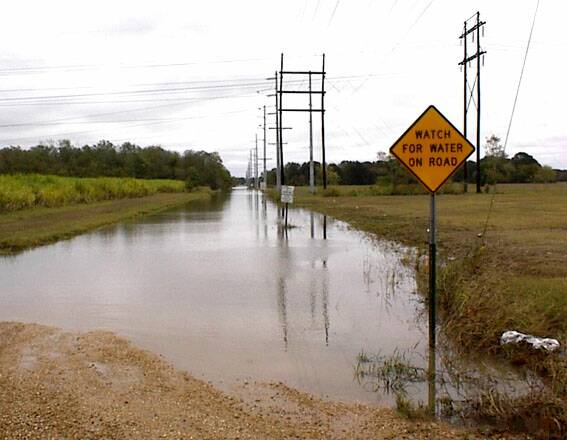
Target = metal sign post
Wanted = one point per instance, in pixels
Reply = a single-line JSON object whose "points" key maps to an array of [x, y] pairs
{"points": [[432, 149], [432, 303], [287, 198]]}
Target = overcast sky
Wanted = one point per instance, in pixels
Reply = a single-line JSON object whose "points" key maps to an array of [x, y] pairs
{"points": [[191, 74]]}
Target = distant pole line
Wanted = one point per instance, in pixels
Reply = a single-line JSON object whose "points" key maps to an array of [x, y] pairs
{"points": [[256, 181], [265, 174], [249, 171], [467, 59]]}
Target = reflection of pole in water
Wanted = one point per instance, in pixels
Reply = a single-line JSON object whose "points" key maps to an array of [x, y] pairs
{"points": [[257, 213], [324, 227], [265, 215], [312, 297], [366, 270], [285, 223], [312, 225], [282, 308], [393, 284], [249, 200], [325, 300]]}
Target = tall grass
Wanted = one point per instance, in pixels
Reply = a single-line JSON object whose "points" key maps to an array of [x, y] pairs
{"points": [[23, 191]]}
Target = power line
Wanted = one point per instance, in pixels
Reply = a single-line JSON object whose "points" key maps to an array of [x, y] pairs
{"points": [[66, 99], [316, 9], [521, 76], [152, 84], [136, 92], [333, 14], [83, 67], [137, 122], [419, 17], [513, 109], [180, 100], [124, 121]]}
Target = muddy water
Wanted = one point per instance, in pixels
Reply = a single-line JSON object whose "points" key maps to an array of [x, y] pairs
{"points": [[218, 290]]}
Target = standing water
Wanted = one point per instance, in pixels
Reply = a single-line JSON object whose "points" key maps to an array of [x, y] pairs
{"points": [[219, 290]]}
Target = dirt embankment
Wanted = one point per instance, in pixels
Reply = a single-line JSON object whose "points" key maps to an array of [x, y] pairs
{"points": [[61, 385]]}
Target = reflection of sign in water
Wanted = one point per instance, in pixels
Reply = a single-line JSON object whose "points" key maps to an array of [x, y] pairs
{"points": [[287, 194], [432, 149]]}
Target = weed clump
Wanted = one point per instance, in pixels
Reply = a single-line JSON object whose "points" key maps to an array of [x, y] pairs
{"points": [[391, 374]]}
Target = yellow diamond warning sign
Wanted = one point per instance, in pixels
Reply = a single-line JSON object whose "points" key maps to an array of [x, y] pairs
{"points": [[432, 149]]}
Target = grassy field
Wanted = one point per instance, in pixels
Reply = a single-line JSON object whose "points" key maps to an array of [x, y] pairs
{"points": [[522, 254], [36, 209], [511, 276], [24, 191]]}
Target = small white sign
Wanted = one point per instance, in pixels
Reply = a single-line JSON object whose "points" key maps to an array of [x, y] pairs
{"points": [[263, 186], [287, 194]]}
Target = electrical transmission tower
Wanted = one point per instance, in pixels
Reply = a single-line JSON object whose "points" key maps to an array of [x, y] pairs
{"points": [[280, 109], [469, 91]]}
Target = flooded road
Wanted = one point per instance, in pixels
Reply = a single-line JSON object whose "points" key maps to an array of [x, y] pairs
{"points": [[219, 291]]}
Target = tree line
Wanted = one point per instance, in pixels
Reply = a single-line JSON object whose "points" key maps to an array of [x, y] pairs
{"points": [[104, 159], [495, 167]]}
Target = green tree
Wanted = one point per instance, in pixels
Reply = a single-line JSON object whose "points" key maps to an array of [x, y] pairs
{"points": [[495, 166], [525, 168], [545, 174]]}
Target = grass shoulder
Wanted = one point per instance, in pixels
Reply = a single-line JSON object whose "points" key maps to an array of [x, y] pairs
{"points": [[31, 227], [498, 272]]}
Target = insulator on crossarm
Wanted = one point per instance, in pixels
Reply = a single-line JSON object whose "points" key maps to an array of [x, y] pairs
{"points": [[472, 37], [483, 31], [483, 61], [460, 67]]}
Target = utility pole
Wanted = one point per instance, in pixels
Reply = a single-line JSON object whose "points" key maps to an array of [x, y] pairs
{"points": [[282, 163], [310, 109], [311, 165], [465, 107], [467, 59], [278, 140], [478, 101], [323, 123]]}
